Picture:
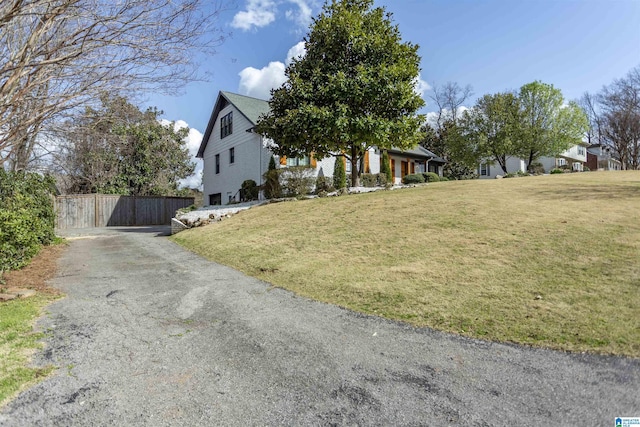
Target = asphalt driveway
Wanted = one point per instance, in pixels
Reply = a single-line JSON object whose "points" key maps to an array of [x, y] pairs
{"points": [[150, 334]]}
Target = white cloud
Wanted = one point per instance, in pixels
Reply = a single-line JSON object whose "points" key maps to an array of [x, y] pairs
{"points": [[192, 140], [259, 13], [302, 17], [421, 86], [258, 83], [297, 51], [432, 116]]}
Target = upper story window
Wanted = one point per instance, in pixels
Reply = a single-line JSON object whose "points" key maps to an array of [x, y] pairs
{"points": [[226, 125], [217, 163], [580, 150], [298, 161], [232, 155]]}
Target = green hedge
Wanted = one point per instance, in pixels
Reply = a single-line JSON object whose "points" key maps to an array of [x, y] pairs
{"points": [[414, 178], [27, 217], [431, 177]]}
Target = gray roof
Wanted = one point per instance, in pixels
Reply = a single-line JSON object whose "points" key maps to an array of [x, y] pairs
{"points": [[251, 108], [419, 151]]}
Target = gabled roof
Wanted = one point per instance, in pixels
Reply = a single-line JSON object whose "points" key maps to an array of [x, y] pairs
{"points": [[249, 107], [419, 151]]}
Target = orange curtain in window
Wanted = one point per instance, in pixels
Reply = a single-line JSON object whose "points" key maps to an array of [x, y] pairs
{"points": [[283, 160], [312, 160]]}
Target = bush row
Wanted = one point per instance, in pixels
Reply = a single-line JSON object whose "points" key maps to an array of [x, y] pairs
{"points": [[27, 217]]}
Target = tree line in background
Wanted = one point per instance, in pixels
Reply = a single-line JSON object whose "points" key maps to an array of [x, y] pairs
{"points": [[614, 118], [57, 58], [533, 122], [528, 124]]}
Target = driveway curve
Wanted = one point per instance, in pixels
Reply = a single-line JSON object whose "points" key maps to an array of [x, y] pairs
{"points": [[150, 334]]}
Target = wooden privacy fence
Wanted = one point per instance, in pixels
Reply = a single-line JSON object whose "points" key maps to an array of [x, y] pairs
{"points": [[105, 210]]}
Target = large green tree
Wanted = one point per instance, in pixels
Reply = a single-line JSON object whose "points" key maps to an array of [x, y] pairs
{"points": [[354, 88], [548, 126], [490, 129], [119, 149]]}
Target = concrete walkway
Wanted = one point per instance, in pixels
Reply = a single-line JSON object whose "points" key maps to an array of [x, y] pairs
{"points": [[150, 334]]}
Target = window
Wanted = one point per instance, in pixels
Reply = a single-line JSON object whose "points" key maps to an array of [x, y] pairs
{"points": [[485, 170], [232, 155], [215, 199], [580, 150], [226, 125], [561, 162], [217, 163], [298, 161], [347, 167]]}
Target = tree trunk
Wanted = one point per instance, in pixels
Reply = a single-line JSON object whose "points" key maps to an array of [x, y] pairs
{"points": [[530, 160], [502, 161], [355, 181]]}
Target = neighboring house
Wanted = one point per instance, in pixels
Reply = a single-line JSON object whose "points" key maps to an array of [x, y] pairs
{"points": [[573, 159], [600, 157], [232, 152]]}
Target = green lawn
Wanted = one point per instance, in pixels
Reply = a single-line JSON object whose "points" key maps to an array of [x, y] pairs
{"points": [[551, 261], [17, 342]]}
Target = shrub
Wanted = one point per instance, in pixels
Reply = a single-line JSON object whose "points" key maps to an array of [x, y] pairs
{"points": [[414, 178], [431, 177], [297, 181], [385, 168], [510, 175], [272, 188], [249, 190], [585, 168], [443, 178], [521, 173], [369, 180], [381, 180], [556, 170], [323, 185], [536, 168], [339, 173], [27, 217]]}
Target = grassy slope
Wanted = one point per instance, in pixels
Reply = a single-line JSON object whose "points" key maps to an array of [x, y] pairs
{"points": [[470, 257]]}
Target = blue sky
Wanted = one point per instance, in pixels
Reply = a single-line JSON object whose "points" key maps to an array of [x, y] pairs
{"points": [[493, 45]]}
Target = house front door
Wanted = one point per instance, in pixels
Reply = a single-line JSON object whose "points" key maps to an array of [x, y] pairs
{"points": [[405, 169]]}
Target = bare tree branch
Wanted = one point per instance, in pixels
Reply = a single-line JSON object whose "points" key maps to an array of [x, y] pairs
{"points": [[58, 55]]}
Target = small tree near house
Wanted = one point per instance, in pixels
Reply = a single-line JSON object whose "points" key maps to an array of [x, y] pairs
{"points": [[272, 188], [339, 173]]}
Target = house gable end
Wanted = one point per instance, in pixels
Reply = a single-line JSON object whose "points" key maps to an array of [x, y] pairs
{"points": [[250, 108]]}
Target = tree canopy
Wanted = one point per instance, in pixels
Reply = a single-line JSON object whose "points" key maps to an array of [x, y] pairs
{"points": [[491, 127], [547, 126], [118, 149], [354, 88]]}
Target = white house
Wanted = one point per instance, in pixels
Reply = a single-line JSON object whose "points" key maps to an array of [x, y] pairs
{"points": [[232, 152], [573, 159]]}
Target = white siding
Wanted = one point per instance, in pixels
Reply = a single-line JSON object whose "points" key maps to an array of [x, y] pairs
{"points": [[514, 164], [251, 158]]}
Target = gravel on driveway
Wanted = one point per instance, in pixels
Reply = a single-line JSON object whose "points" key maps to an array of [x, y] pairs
{"points": [[152, 335]]}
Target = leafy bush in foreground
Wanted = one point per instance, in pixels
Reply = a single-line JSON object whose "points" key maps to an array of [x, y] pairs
{"points": [[27, 217]]}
